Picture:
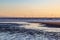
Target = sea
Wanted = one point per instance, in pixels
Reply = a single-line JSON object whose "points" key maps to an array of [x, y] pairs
{"points": [[26, 29]]}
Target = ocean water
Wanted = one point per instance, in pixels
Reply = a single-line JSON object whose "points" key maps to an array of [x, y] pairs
{"points": [[27, 31]]}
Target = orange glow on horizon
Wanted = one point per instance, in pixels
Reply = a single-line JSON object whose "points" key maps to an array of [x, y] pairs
{"points": [[30, 11]]}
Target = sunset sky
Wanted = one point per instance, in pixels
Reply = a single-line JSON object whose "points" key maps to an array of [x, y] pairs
{"points": [[29, 8]]}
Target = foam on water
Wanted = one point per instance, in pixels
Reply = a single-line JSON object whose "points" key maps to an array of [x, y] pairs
{"points": [[25, 36], [38, 26], [21, 36]]}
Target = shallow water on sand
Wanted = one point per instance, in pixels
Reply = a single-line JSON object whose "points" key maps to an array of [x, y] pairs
{"points": [[30, 31], [39, 26]]}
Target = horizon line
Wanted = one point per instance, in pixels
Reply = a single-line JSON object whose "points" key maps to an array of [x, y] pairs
{"points": [[29, 17]]}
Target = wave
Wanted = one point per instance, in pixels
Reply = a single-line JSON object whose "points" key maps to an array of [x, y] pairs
{"points": [[20, 30], [26, 25]]}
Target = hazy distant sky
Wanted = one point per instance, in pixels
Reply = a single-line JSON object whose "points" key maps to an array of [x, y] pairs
{"points": [[29, 8]]}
